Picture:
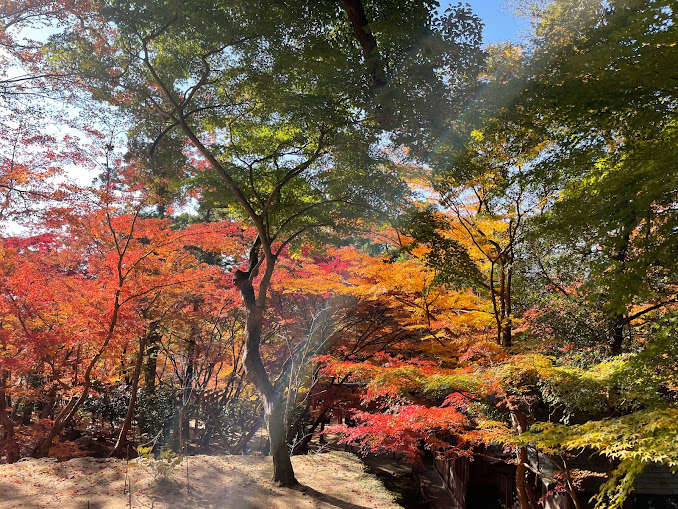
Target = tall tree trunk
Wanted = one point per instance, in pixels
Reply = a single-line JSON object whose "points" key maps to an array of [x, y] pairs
{"points": [[526, 497], [119, 448], [618, 321], [373, 62], [501, 301], [187, 385], [187, 389], [521, 479], [48, 406], [151, 364], [505, 299], [616, 327], [506, 333], [10, 444], [274, 413], [283, 473]]}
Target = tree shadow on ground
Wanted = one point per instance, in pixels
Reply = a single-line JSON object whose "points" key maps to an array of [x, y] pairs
{"points": [[328, 499]]}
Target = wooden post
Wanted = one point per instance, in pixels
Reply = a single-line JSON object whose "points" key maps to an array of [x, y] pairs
{"points": [[188, 482]]}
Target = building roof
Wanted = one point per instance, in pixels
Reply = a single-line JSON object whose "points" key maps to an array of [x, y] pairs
{"points": [[655, 479]]}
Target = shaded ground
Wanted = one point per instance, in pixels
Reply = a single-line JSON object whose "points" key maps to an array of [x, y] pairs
{"points": [[397, 478], [334, 480], [413, 488]]}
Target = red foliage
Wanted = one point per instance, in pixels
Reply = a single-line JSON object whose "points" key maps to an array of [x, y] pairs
{"points": [[405, 429]]}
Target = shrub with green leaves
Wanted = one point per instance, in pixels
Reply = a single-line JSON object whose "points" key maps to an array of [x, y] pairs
{"points": [[160, 467]]}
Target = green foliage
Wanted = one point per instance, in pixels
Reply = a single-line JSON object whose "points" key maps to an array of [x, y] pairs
{"points": [[585, 125], [639, 390], [237, 417], [154, 411], [447, 257], [283, 113], [109, 404], [440, 385], [160, 467], [280, 95], [606, 104], [635, 440]]}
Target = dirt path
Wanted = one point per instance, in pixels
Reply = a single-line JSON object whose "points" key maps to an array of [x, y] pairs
{"points": [[329, 481]]}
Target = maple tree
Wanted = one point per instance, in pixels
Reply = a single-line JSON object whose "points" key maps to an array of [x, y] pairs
{"points": [[283, 163], [114, 272], [232, 268], [417, 318]]}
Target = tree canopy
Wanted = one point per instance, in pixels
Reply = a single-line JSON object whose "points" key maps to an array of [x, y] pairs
{"points": [[348, 210]]}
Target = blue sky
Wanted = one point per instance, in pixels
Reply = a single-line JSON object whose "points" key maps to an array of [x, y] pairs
{"points": [[500, 25]]}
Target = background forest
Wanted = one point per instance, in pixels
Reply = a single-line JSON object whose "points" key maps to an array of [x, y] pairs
{"points": [[347, 209]]}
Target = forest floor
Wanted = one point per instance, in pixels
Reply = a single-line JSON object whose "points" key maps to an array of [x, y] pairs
{"points": [[332, 480]]}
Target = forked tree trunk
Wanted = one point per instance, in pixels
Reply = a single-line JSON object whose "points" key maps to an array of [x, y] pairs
{"points": [[274, 412], [283, 474]]}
